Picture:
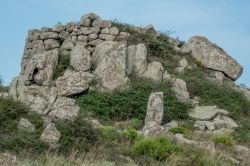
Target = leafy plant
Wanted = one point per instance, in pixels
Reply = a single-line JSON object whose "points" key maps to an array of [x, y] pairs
{"points": [[63, 64], [157, 148]]}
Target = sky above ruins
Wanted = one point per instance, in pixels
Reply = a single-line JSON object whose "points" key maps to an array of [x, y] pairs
{"points": [[225, 22]]}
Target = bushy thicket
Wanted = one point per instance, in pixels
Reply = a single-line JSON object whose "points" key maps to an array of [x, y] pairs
{"points": [[132, 103]]}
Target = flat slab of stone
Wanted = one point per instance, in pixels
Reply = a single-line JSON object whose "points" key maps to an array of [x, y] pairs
{"points": [[206, 112]]}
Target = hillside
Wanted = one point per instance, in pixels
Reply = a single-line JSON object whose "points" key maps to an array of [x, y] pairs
{"points": [[105, 93]]}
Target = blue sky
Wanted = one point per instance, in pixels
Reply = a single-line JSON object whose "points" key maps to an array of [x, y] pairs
{"points": [[225, 22]]}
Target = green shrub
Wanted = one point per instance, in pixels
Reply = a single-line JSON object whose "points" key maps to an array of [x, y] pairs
{"points": [[76, 135], [223, 139], [157, 148], [135, 123], [180, 130], [211, 93], [131, 135], [109, 133], [242, 133], [63, 64], [132, 103]]}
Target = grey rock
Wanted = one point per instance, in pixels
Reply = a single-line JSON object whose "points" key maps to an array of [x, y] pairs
{"points": [[73, 83], [96, 42], [137, 59], [114, 31], [25, 125], [7, 159], [67, 44], [49, 35], [89, 30], [105, 24], [105, 31], [80, 58], [51, 44], [154, 116], [85, 22], [206, 112], [213, 57], [109, 62], [83, 38], [180, 89], [91, 16], [64, 108], [107, 37], [154, 71], [93, 36], [181, 141], [171, 125], [50, 134]]}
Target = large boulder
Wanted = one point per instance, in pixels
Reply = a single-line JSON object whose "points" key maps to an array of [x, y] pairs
{"points": [[109, 61], [73, 83], [80, 58], [137, 59], [180, 89], [213, 57], [154, 71], [51, 135]]}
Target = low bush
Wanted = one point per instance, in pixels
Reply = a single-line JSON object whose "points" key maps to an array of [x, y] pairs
{"points": [[76, 135], [157, 148], [63, 64], [223, 139], [131, 135], [132, 103], [135, 123], [109, 133]]}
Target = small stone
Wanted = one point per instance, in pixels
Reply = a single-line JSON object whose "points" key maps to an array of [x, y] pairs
{"points": [[50, 134], [89, 30], [50, 44], [96, 42], [49, 35], [171, 125], [83, 38], [25, 125]]}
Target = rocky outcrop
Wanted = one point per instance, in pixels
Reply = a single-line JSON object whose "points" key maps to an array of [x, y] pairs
{"points": [[213, 57], [212, 120], [109, 61], [154, 116]]}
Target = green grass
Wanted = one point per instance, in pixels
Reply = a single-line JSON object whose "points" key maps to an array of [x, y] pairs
{"points": [[156, 148], [226, 140], [131, 103], [109, 133], [63, 64]]}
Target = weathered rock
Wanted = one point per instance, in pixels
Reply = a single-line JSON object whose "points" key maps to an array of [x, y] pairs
{"points": [[86, 22], [49, 35], [105, 24], [241, 150], [4, 94], [73, 83], [171, 125], [80, 58], [224, 122], [105, 31], [183, 63], [181, 141], [166, 76], [109, 61], [7, 159], [90, 16], [93, 36], [89, 30], [154, 116], [215, 76], [95, 42], [154, 71], [180, 89], [83, 38], [50, 44], [213, 57], [206, 112], [137, 59], [173, 41], [64, 108], [51, 135], [114, 31], [67, 45], [107, 37], [25, 125]]}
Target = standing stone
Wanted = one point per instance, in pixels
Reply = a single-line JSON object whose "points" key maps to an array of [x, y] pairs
{"points": [[180, 89], [154, 115], [109, 62], [213, 57], [80, 58]]}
